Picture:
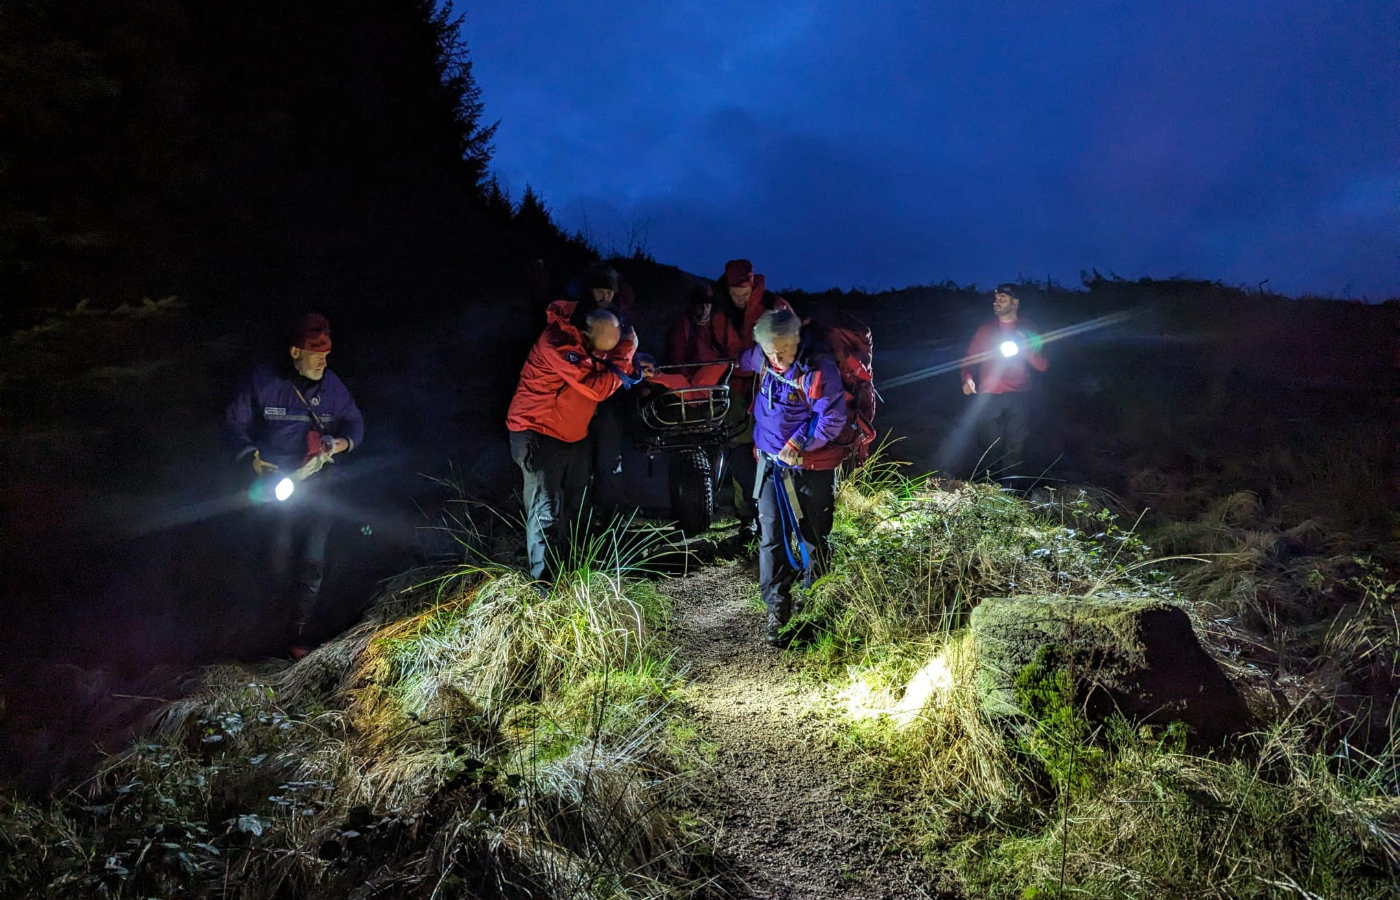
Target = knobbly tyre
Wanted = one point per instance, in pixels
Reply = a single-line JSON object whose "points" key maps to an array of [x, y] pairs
{"points": [[688, 421]]}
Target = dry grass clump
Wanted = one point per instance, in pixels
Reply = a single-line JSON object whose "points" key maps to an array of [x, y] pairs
{"points": [[1156, 821], [912, 558], [481, 740], [1058, 806]]}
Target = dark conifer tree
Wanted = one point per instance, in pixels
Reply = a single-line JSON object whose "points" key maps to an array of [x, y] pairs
{"points": [[257, 151]]}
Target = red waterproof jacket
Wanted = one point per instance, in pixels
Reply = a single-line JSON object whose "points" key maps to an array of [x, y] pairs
{"points": [[690, 342], [998, 374], [562, 383], [735, 339]]}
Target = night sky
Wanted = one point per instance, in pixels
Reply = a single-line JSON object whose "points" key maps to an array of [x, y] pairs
{"points": [[856, 144]]}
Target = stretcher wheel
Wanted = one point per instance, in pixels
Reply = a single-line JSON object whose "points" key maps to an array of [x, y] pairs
{"points": [[692, 491]]}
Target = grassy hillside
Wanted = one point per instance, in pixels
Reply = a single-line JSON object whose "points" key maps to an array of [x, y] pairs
{"points": [[470, 737], [474, 738], [1061, 805]]}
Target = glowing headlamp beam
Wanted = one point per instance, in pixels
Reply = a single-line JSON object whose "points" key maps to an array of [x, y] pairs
{"points": [[1009, 348], [284, 489], [1048, 337]]}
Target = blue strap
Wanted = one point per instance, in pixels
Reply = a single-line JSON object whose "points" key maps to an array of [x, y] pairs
{"points": [[791, 529], [628, 381]]}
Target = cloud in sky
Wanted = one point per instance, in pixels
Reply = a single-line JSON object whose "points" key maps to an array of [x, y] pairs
{"points": [[836, 144]]}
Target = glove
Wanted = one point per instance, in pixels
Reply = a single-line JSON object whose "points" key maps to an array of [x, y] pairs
{"points": [[260, 466]]}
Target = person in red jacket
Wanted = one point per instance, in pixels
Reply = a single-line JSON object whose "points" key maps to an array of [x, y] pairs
{"points": [[741, 299], [691, 337], [1004, 351], [568, 372]]}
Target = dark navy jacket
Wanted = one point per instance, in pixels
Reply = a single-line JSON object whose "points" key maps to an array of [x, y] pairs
{"points": [[268, 416]]}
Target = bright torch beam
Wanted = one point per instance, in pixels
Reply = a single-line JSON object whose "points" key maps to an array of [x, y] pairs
{"points": [[1048, 337]]}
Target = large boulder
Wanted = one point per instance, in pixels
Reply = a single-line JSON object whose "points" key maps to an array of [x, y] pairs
{"points": [[1136, 656]]}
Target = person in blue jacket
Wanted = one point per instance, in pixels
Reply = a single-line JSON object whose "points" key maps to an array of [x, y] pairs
{"points": [[293, 418], [799, 409]]}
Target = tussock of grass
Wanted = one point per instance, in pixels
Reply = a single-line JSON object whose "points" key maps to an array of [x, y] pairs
{"points": [[1056, 806], [470, 738], [912, 558]]}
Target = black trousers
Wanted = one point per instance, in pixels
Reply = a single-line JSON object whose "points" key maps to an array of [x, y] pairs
{"points": [[300, 534], [606, 438], [556, 483], [1001, 433], [776, 575]]}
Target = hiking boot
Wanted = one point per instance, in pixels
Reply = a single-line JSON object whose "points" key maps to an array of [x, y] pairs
{"points": [[300, 646], [775, 636]]}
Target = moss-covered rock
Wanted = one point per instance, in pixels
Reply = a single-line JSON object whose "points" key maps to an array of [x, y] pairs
{"points": [[1133, 655]]}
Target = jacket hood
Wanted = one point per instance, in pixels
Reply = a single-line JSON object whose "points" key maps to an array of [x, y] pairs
{"points": [[560, 312]]}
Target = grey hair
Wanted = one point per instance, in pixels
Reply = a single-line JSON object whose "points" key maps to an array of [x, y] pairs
{"points": [[775, 324]]}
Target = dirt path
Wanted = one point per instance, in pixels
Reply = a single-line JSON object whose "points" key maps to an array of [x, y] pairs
{"points": [[781, 767]]}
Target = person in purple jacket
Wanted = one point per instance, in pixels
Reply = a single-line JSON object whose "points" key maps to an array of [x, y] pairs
{"points": [[799, 407], [290, 416]]}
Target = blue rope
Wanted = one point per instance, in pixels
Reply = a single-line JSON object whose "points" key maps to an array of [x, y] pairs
{"points": [[791, 528]]}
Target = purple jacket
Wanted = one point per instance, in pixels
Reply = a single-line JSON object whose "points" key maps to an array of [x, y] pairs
{"points": [[806, 403], [268, 416]]}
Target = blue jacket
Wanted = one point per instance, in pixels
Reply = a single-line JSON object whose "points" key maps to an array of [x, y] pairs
{"points": [[806, 404], [268, 416]]}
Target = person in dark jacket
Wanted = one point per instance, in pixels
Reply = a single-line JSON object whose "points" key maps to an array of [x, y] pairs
{"points": [[600, 287], [1004, 350], [568, 373], [799, 408], [292, 419]]}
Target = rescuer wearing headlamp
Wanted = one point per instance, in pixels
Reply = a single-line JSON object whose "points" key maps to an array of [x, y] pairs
{"points": [[287, 422], [1003, 351]]}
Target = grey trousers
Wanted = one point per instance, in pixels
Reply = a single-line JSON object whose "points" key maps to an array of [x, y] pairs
{"points": [[556, 481]]}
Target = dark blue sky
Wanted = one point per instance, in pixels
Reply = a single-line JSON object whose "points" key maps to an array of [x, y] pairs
{"points": [[879, 144]]}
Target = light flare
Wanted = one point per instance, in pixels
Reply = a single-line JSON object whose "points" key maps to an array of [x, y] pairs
{"points": [[284, 489], [1009, 349], [1037, 342], [927, 686], [869, 697]]}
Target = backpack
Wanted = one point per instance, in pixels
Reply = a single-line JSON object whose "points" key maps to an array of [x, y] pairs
{"points": [[852, 349]]}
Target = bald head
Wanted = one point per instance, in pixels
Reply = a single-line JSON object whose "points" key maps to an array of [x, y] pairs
{"points": [[601, 330]]}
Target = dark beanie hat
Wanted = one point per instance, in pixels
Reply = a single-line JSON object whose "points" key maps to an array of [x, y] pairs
{"points": [[1010, 289], [738, 273], [600, 275], [312, 333]]}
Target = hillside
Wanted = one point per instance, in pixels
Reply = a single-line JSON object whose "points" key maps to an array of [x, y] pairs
{"points": [[628, 736]]}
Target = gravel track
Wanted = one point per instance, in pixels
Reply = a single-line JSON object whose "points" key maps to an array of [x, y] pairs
{"points": [[777, 791]]}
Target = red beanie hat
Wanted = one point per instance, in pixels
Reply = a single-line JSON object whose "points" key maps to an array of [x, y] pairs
{"points": [[738, 273], [312, 333]]}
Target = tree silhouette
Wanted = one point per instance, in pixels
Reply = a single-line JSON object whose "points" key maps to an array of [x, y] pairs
{"points": [[260, 152]]}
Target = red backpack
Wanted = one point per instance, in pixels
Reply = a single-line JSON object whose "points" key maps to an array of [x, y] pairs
{"points": [[853, 351]]}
